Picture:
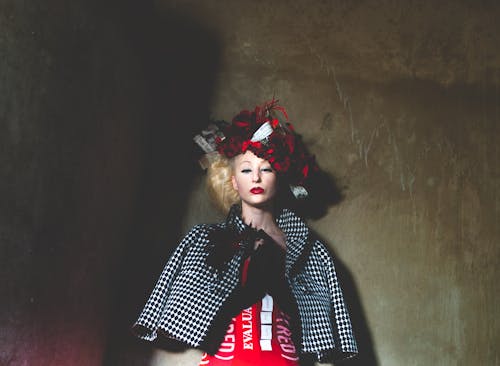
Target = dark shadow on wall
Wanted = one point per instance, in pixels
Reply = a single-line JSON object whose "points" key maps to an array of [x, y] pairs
{"points": [[179, 60], [101, 100], [323, 193]]}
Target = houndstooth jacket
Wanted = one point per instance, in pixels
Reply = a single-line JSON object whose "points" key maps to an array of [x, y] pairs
{"points": [[189, 293]]}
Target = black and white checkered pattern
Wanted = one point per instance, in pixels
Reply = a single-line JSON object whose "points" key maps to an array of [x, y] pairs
{"points": [[189, 293]]}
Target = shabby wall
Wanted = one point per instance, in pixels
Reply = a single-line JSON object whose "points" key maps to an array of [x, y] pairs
{"points": [[399, 101]]}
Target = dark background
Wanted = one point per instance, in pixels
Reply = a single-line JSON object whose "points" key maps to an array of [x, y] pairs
{"points": [[99, 103]]}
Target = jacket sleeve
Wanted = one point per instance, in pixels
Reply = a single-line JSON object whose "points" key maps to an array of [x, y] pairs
{"points": [[346, 343], [146, 325]]}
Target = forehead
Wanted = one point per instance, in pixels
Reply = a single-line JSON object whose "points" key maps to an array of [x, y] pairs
{"points": [[249, 157]]}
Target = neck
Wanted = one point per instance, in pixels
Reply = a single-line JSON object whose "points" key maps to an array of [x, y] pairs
{"points": [[257, 217]]}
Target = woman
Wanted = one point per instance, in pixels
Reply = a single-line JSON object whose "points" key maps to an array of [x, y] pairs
{"points": [[258, 288]]}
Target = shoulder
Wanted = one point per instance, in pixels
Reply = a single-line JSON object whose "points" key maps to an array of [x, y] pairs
{"points": [[318, 253], [321, 249], [200, 232], [293, 226]]}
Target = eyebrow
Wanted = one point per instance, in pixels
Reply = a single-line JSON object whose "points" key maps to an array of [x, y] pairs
{"points": [[248, 161], [264, 162]]}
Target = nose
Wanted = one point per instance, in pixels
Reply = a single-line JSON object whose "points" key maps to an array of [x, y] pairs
{"points": [[256, 176]]}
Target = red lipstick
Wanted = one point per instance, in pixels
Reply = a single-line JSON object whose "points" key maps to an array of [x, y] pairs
{"points": [[257, 190]]}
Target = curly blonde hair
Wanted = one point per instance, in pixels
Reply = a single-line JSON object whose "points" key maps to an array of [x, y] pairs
{"points": [[219, 184]]}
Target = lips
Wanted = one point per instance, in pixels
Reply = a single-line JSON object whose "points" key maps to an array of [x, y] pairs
{"points": [[257, 190]]}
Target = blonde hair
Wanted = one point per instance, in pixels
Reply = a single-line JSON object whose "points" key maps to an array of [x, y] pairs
{"points": [[219, 183]]}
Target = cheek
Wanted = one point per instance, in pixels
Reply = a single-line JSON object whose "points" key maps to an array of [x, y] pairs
{"points": [[273, 183]]}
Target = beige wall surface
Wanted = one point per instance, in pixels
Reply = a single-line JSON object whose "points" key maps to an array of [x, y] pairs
{"points": [[400, 102]]}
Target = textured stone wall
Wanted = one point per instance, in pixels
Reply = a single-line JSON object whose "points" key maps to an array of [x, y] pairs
{"points": [[398, 100]]}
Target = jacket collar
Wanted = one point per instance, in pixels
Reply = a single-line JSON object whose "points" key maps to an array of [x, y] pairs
{"points": [[294, 228]]}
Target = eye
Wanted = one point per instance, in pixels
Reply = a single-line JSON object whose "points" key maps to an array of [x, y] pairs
{"points": [[246, 170], [267, 170]]}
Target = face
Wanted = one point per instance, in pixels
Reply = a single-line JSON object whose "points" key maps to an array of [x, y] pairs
{"points": [[254, 179]]}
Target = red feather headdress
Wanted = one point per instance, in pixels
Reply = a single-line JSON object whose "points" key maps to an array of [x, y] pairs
{"points": [[264, 132]]}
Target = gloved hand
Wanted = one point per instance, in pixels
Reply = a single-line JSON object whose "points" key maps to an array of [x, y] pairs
{"points": [[266, 266]]}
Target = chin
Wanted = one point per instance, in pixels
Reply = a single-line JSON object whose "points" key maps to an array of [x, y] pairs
{"points": [[260, 203]]}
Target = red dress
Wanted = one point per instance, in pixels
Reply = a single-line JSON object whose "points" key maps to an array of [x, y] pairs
{"points": [[259, 335]]}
